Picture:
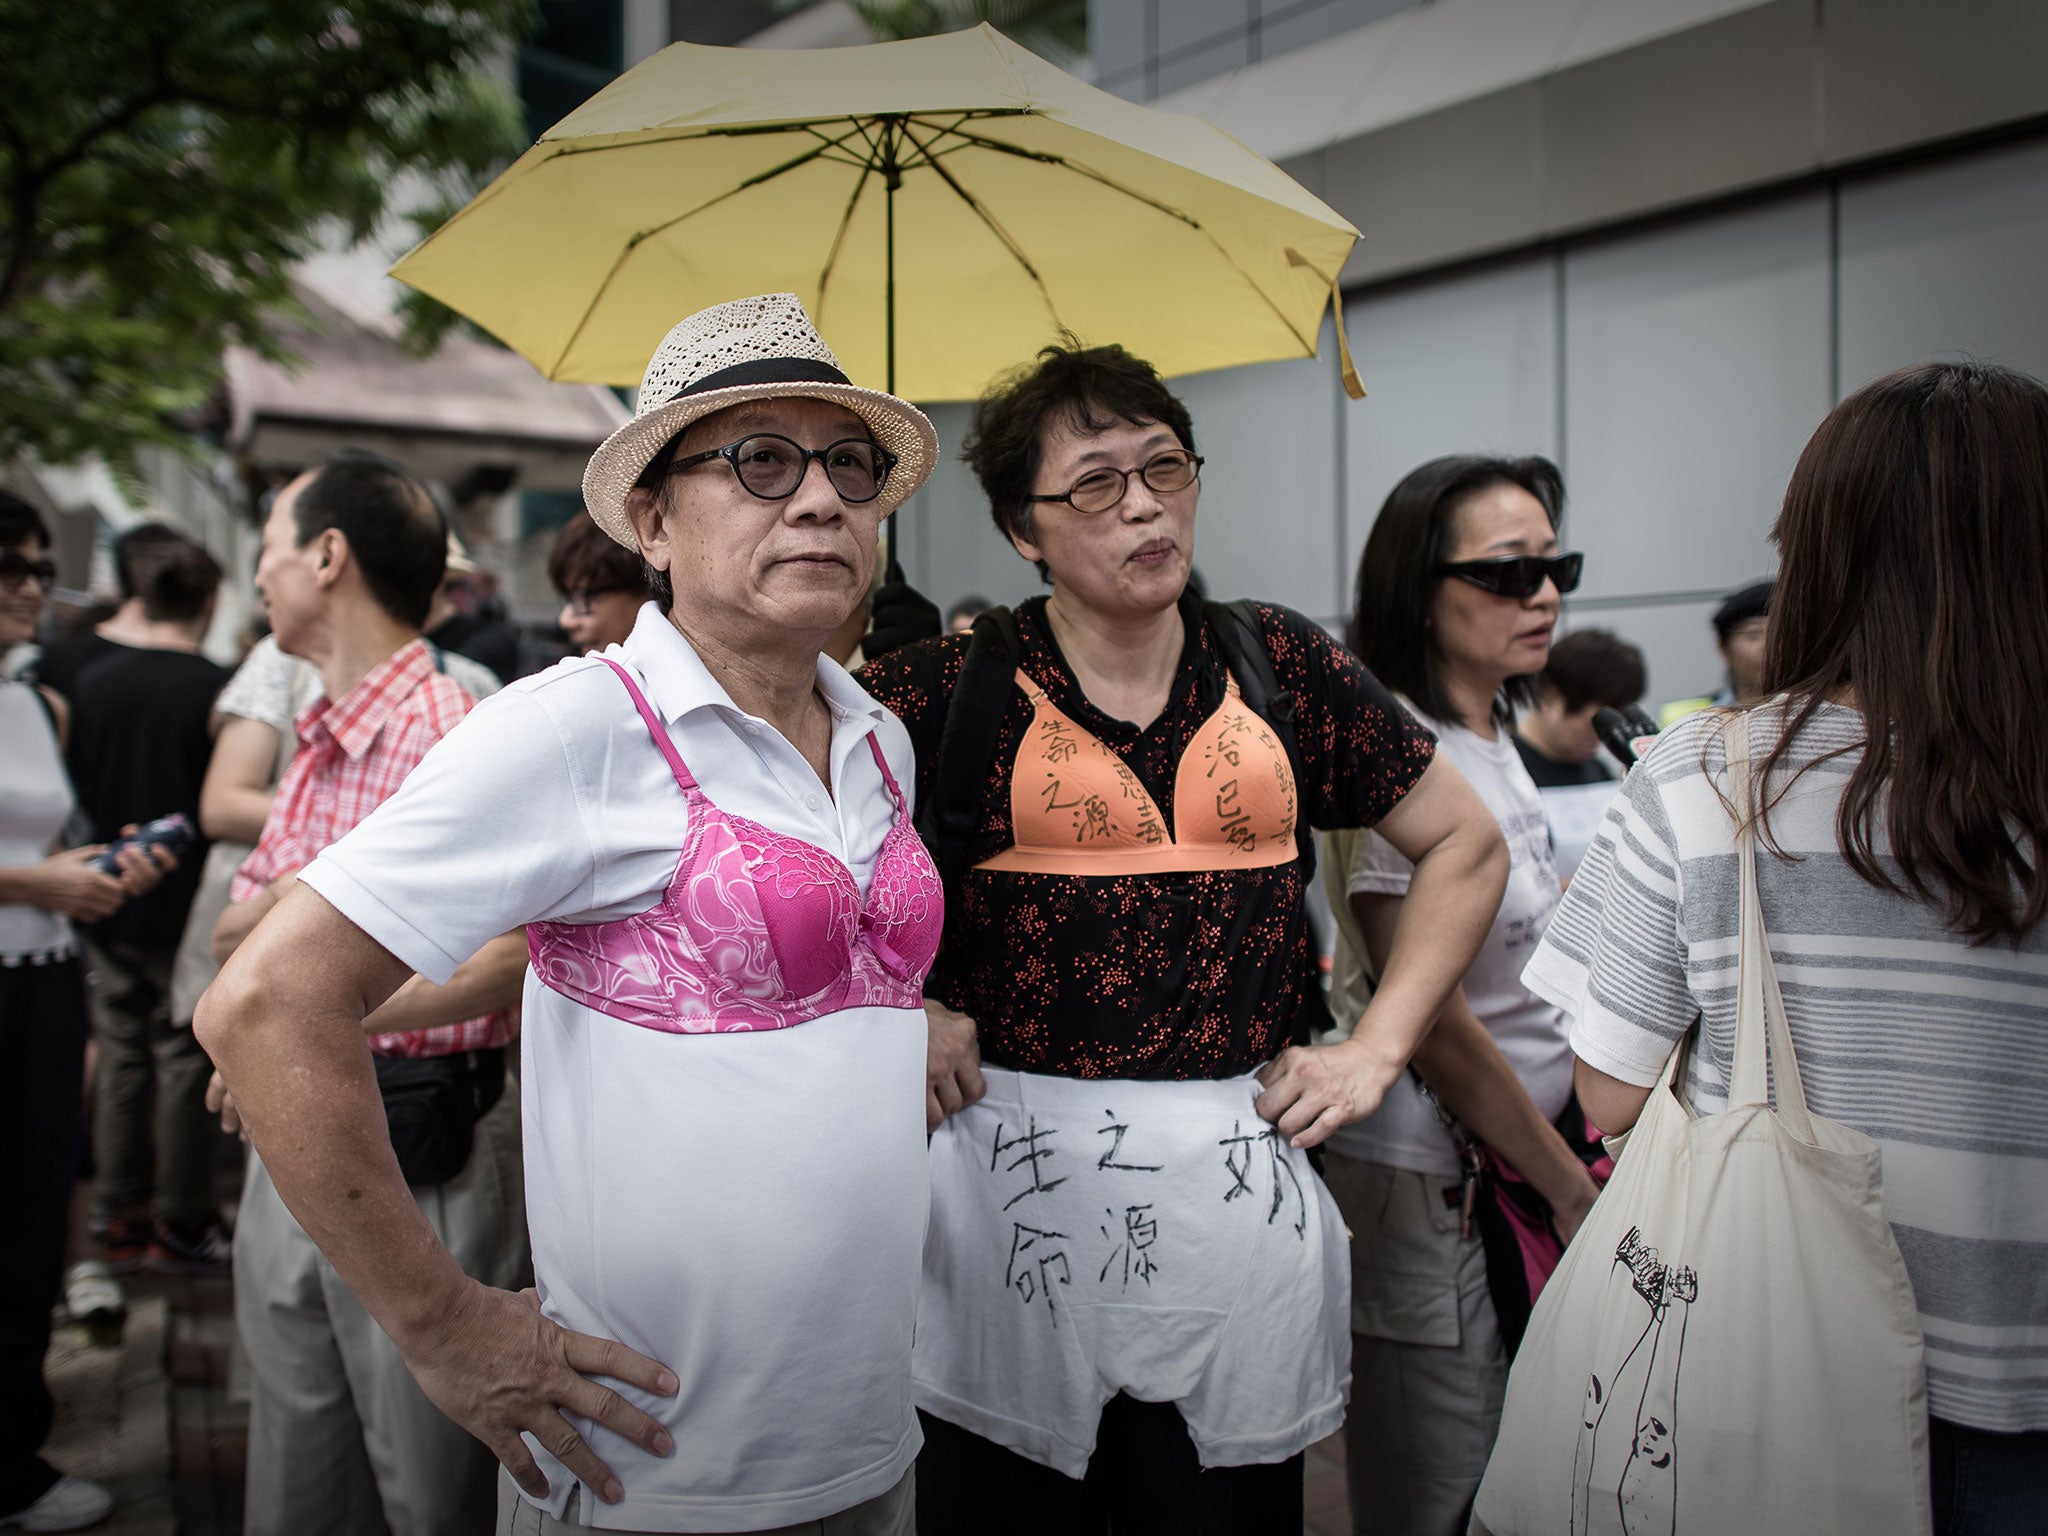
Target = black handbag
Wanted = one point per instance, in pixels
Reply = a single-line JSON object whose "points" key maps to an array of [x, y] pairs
{"points": [[432, 1105]]}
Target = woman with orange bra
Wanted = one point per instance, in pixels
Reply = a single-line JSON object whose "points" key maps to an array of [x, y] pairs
{"points": [[1135, 1307]]}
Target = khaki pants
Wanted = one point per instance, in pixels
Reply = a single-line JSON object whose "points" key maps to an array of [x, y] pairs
{"points": [[887, 1514], [342, 1441], [1428, 1369]]}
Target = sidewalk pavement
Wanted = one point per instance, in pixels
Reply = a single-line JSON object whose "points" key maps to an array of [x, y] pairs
{"points": [[152, 1416]]}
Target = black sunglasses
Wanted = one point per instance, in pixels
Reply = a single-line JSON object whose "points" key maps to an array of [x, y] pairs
{"points": [[771, 466], [1519, 575], [16, 568]]}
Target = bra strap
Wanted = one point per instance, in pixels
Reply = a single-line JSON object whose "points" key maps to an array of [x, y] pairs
{"points": [[888, 778], [1031, 689], [655, 728]]}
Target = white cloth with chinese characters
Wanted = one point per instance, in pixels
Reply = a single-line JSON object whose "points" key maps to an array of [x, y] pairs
{"points": [[1152, 1238]]}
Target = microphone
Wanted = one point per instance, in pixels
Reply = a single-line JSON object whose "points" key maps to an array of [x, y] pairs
{"points": [[1618, 730]]}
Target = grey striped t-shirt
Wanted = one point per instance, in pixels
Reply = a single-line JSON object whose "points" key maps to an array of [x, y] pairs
{"points": [[1904, 1031]]}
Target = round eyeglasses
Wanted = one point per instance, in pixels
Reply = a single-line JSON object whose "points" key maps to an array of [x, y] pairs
{"points": [[1519, 576], [771, 466], [1101, 489]]}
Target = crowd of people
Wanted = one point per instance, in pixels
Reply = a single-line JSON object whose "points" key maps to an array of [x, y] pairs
{"points": [[808, 1062]]}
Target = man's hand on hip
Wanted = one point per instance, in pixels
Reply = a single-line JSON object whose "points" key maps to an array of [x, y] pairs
{"points": [[500, 1369]]}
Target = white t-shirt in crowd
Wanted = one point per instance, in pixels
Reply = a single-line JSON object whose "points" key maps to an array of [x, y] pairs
{"points": [[747, 1208], [1404, 1131], [35, 802]]}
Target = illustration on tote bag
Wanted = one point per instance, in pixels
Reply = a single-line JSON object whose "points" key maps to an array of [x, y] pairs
{"points": [[1645, 1388]]}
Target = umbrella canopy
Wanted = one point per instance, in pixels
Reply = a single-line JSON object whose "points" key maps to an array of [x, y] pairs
{"points": [[944, 207]]}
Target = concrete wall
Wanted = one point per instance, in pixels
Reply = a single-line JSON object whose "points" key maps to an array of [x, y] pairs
{"points": [[1674, 370], [1762, 96]]}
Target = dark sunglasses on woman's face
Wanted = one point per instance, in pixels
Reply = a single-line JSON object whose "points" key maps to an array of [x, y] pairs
{"points": [[1518, 575], [16, 568]]}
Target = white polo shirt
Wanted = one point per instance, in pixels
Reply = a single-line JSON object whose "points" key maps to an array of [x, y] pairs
{"points": [[748, 1208]]}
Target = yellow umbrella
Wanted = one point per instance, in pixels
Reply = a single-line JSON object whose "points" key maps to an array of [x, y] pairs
{"points": [[944, 207]]}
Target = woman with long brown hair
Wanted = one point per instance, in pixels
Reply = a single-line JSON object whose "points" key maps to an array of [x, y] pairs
{"points": [[1904, 757]]}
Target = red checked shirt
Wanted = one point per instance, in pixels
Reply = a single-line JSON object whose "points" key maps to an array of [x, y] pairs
{"points": [[353, 754]]}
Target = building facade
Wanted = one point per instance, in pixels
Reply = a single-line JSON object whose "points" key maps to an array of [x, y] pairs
{"points": [[1655, 242]]}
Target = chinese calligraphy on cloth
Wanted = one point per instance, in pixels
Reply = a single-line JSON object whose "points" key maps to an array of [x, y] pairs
{"points": [[1154, 1238]]}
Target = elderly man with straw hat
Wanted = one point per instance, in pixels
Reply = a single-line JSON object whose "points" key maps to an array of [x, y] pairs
{"points": [[707, 831]]}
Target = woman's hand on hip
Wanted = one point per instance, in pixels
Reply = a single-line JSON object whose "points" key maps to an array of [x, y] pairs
{"points": [[500, 1370], [952, 1064], [1310, 1090]]}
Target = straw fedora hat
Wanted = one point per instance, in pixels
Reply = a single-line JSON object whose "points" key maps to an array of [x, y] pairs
{"points": [[747, 349]]}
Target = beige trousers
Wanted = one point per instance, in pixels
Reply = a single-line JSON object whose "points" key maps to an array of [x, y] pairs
{"points": [[1428, 1369], [342, 1442], [887, 1514]]}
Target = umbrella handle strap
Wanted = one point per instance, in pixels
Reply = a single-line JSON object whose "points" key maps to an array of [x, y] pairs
{"points": [[1346, 369]]}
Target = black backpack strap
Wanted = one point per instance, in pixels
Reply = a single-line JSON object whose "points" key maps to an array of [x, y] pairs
{"points": [[967, 743], [1236, 628]]}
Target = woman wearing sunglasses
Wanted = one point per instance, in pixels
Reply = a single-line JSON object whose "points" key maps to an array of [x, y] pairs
{"points": [[43, 1026], [1457, 595], [1133, 1315]]}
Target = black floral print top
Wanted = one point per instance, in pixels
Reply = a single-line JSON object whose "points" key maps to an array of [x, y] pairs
{"points": [[1185, 975]]}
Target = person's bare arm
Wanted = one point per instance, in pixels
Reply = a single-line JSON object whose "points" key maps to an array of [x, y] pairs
{"points": [[1461, 1060], [238, 919], [1461, 867], [235, 798], [487, 981], [1612, 1105], [284, 1023]]}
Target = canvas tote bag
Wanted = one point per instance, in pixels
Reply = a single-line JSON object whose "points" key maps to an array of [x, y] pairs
{"points": [[1730, 1346]]}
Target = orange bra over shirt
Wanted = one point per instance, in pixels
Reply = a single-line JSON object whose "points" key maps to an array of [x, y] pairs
{"points": [[1076, 808]]}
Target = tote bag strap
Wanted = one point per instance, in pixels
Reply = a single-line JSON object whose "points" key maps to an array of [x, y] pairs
{"points": [[1763, 1035]]}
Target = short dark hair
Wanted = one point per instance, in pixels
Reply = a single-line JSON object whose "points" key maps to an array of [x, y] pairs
{"points": [[176, 580], [394, 529], [135, 555], [972, 606], [1087, 388], [1397, 575], [1593, 666], [20, 522], [587, 559], [1742, 605]]}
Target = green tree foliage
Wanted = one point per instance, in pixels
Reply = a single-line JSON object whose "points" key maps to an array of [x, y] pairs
{"points": [[165, 163]]}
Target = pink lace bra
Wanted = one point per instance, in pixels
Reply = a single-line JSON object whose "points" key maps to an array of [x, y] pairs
{"points": [[757, 930]]}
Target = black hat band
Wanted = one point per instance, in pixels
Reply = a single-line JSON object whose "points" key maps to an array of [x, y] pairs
{"points": [[764, 370]]}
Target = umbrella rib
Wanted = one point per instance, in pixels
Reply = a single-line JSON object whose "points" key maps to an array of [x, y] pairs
{"points": [[825, 146], [839, 238], [1079, 170], [823, 150], [987, 218], [1115, 186]]}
